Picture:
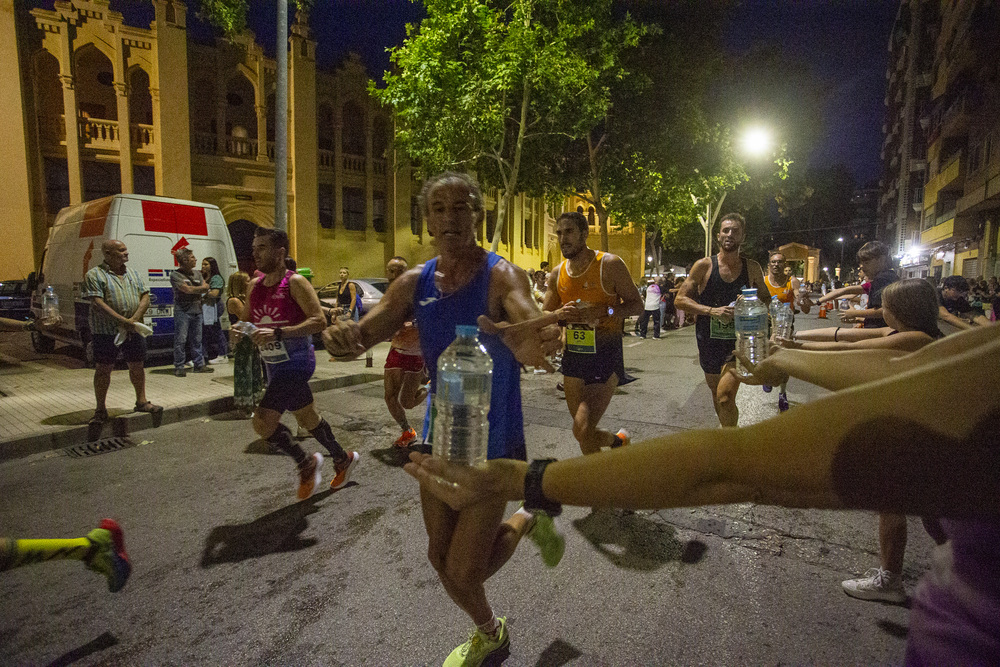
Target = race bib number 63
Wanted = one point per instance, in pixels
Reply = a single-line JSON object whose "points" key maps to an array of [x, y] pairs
{"points": [[580, 339]]}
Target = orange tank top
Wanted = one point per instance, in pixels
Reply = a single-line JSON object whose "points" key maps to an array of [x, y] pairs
{"points": [[588, 288], [785, 293]]}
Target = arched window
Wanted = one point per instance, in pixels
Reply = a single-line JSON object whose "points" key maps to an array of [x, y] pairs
{"points": [[94, 79], [140, 103], [324, 126], [353, 133], [380, 138]]}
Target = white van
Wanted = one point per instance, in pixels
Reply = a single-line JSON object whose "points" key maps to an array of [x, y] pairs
{"points": [[152, 228]]}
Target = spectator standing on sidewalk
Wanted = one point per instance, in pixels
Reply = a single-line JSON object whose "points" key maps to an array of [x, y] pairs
{"points": [[876, 263], [248, 369], [652, 309], [118, 299], [211, 313], [188, 290]]}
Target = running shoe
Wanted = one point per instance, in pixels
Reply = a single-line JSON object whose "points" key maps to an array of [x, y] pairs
{"points": [[344, 469], [479, 647], [408, 438], [623, 439], [782, 401], [109, 557], [877, 584], [310, 475], [550, 540], [767, 388]]}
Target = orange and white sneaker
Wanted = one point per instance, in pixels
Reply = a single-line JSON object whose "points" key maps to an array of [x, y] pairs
{"points": [[309, 475], [408, 438], [623, 439], [344, 469]]}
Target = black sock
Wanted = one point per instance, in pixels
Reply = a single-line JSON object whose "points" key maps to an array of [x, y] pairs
{"points": [[324, 434], [282, 439]]}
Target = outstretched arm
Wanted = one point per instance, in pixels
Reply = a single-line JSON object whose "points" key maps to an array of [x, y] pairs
{"points": [[932, 461]]}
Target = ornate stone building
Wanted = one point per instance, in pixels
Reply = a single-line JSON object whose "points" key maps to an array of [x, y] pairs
{"points": [[107, 107]]}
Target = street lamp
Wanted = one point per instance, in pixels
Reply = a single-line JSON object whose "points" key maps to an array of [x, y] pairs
{"points": [[755, 142], [841, 239]]}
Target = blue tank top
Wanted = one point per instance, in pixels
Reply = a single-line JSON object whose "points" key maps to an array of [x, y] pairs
{"points": [[437, 316]]}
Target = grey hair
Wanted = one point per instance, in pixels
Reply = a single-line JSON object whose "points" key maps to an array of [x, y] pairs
{"points": [[453, 178], [183, 252]]}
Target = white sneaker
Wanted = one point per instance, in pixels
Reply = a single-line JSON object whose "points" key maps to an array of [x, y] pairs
{"points": [[218, 360], [877, 584]]}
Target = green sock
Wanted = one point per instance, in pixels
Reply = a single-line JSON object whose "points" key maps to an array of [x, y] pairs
{"points": [[18, 553]]}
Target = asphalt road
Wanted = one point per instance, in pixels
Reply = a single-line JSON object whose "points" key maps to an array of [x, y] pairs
{"points": [[230, 569]]}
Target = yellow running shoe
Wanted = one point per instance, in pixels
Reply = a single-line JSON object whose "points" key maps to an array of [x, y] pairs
{"points": [[479, 647]]}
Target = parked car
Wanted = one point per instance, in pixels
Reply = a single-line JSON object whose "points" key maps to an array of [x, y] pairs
{"points": [[372, 290], [15, 300]]}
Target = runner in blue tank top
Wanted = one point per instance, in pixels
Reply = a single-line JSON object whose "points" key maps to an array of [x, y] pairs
{"points": [[461, 285]]}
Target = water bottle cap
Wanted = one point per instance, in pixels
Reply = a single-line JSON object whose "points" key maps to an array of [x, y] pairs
{"points": [[466, 330], [749, 292]]}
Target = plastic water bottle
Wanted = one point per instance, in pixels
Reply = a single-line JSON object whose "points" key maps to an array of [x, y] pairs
{"points": [[244, 327], [462, 400], [50, 304], [750, 318], [783, 323]]}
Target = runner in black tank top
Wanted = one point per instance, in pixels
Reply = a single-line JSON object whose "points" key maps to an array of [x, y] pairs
{"points": [[707, 294]]}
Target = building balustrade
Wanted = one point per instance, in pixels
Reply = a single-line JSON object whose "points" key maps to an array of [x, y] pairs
{"points": [[378, 166], [354, 163], [326, 158], [95, 133], [207, 143]]}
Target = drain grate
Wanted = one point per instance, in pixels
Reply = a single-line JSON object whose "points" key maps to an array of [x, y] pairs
{"points": [[101, 446]]}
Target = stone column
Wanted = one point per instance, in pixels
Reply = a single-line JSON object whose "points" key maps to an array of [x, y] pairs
{"points": [[338, 171], [369, 173], [261, 132], [124, 137], [72, 140], [220, 124]]}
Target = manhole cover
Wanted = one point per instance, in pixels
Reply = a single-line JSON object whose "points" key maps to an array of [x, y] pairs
{"points": [[99, 447]]}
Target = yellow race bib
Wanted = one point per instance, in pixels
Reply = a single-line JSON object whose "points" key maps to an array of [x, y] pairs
{"points": [[580, 338]]}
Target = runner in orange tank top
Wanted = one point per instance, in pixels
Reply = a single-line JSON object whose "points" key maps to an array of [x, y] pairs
{"points": [[786, 288], [593, 292]]}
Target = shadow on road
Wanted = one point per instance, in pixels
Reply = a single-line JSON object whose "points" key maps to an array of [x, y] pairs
{"points": [[557, 654], [101, 642], [277, 532], [397, 457], [629, 540]]}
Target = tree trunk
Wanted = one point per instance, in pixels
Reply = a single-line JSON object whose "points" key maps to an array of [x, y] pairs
{"points": [[602, 221], [512, 181]]}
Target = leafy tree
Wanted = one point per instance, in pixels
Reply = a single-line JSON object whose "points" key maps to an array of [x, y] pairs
{"points": [[491, 85]]}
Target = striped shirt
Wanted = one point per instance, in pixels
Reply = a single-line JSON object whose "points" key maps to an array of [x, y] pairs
{"points": [[122, 293]]}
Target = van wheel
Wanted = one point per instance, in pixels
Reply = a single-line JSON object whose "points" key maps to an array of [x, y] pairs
{"points": [[42, 344]]}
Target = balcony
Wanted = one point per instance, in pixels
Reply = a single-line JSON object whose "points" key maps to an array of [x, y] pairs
{"points": [[207, 143], [96, 134], [326, 158], [354, 163]]}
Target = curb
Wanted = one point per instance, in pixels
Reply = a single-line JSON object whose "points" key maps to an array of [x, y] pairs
{"points": [[140, 421]]}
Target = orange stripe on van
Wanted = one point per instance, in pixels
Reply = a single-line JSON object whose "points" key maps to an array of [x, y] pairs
{"points": [[94, 217], [174, 218]]}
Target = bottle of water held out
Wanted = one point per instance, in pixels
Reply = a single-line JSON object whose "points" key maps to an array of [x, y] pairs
{"points": [[783, 323], [50, 304], [244, 327], [750, 318], [462, 400]]}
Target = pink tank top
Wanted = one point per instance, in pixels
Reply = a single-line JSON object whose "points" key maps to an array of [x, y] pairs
{"points": [[275, 306]]}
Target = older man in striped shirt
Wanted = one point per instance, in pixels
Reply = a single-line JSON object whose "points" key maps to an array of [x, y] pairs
{"points": [[118, 299]]}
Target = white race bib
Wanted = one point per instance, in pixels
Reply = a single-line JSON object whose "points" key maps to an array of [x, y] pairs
{"points": [[274, 352]]}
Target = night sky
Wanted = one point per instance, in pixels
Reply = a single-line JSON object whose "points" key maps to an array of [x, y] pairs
{"points": [[843, 42]]}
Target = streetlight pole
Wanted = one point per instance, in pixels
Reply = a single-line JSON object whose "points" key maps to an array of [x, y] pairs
{"points": [[841, 276]]}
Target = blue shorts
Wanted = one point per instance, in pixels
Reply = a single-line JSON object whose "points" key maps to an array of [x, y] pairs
{"points": [[106, 352]]}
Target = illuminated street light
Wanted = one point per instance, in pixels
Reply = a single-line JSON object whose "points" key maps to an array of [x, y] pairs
{"points": [[841, 269], [756, 142]]}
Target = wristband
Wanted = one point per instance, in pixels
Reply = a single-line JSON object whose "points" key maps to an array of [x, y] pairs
{"points": [[277, 334], [534, 498], [30, 326], [835, 332]]}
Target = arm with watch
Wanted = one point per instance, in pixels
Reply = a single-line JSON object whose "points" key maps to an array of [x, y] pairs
{"points": [[801, 458], [305, 297]]}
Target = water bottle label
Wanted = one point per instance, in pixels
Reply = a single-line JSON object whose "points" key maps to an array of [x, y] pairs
{"points": [[722, 330], [750, 323], [580, 338]]}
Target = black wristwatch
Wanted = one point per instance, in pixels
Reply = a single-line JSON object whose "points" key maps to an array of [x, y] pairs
{"points": [[534, 499], [277, 334], [31, 326]]}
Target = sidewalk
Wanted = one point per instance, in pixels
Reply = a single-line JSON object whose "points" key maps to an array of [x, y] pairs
{"points": [[47, 400]]}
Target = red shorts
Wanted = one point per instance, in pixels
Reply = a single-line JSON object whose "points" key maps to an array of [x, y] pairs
{"points": [[410, 363]]}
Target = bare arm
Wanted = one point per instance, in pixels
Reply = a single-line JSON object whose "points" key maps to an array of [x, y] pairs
{"points": [[945, 316], [345, 340], [143, 307], [631, 301], [853, 315], [842, 292], [103, 306], [687, 297], [801, 458], [552, 302], [906, 341], [842, 334], [192, 289]]}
